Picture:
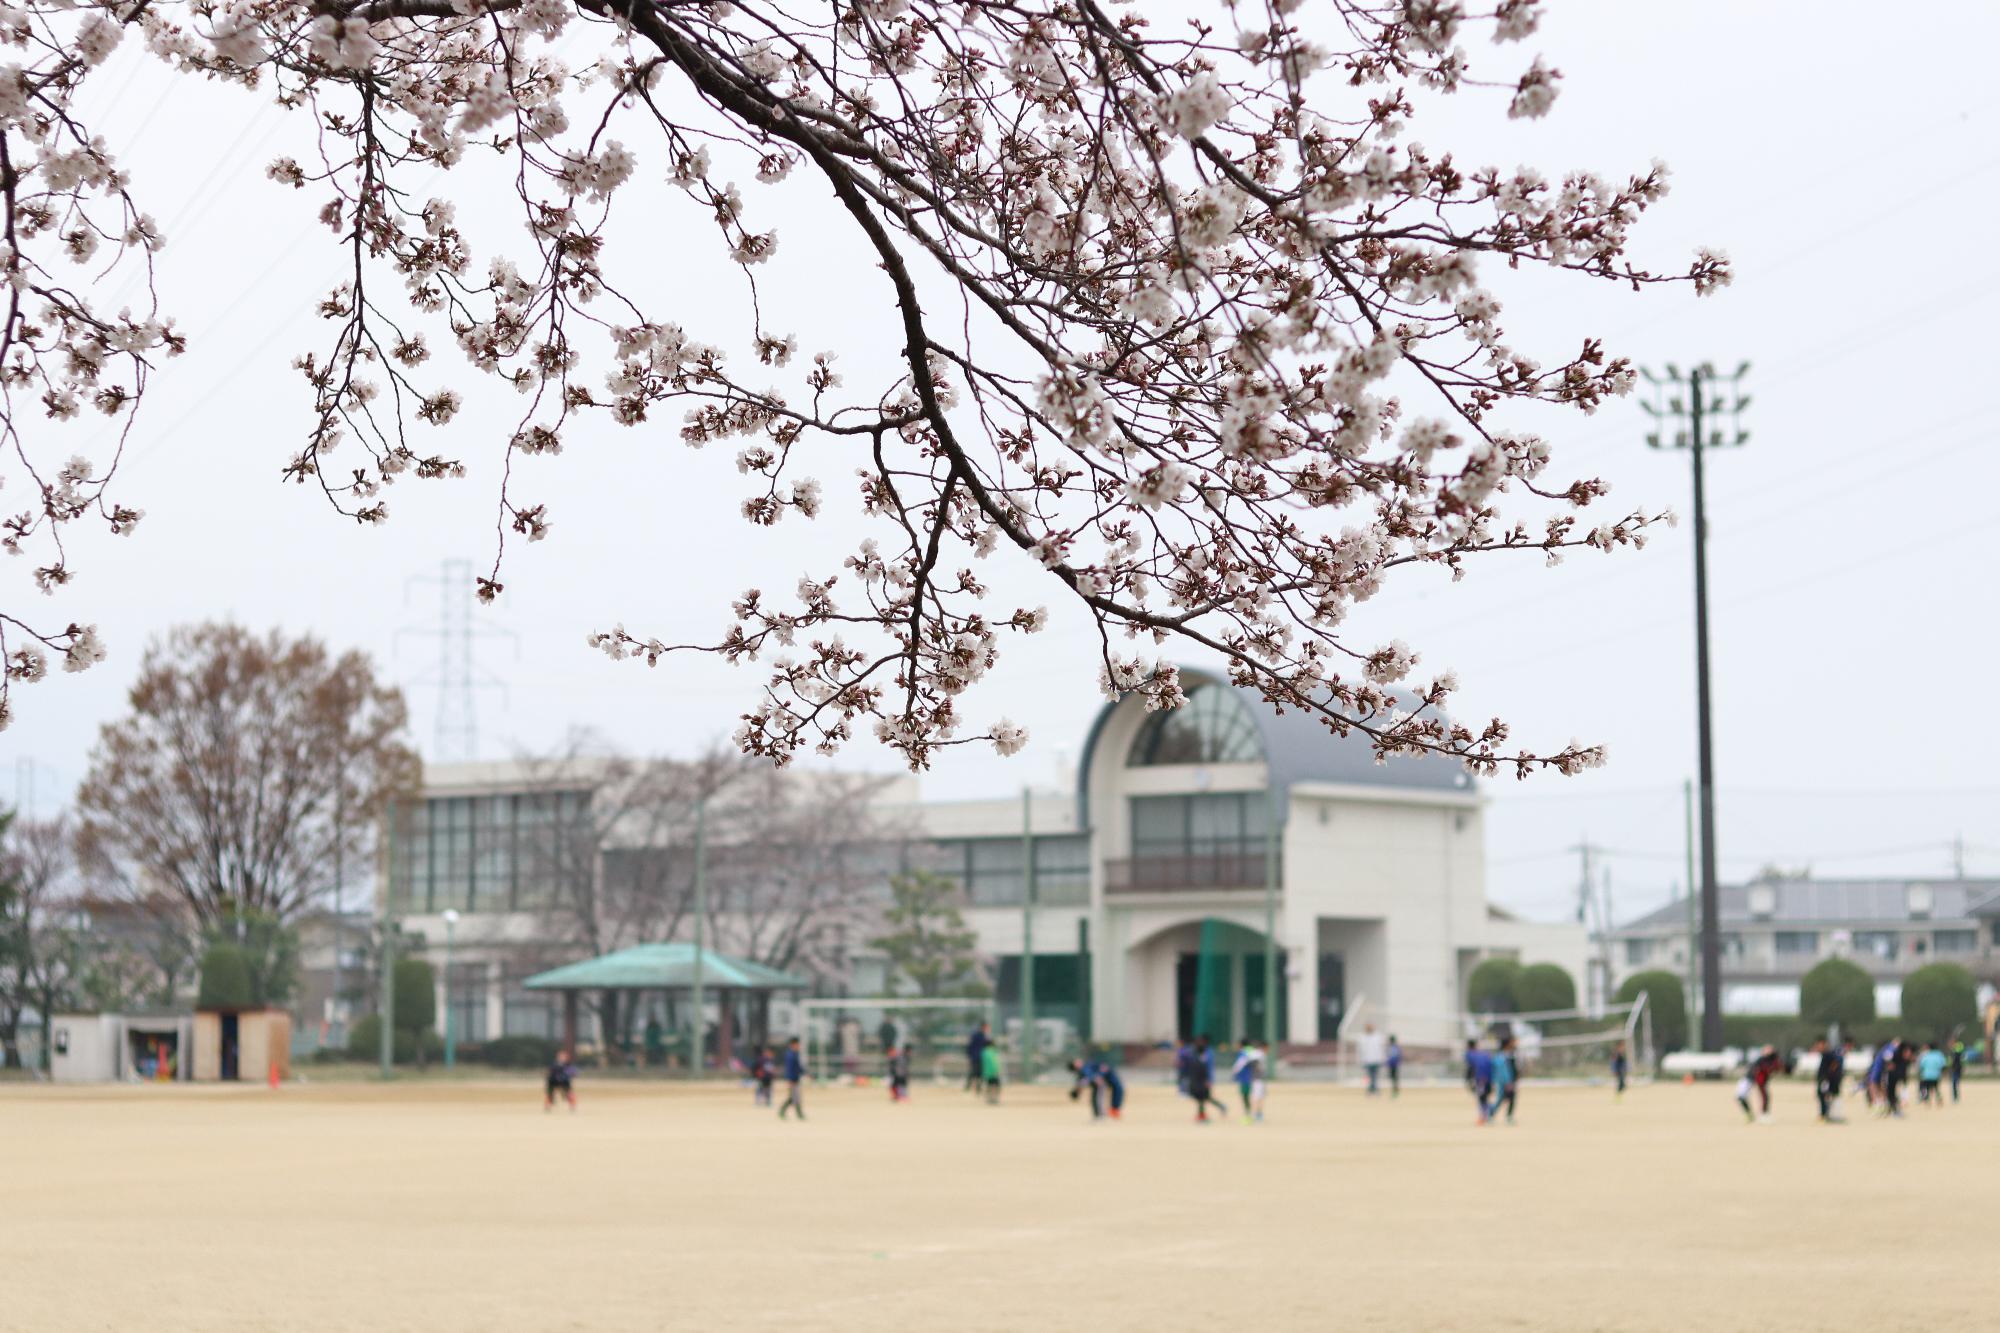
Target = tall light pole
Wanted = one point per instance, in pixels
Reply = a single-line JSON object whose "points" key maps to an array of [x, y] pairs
{"points": [[695, 1000], [1695, 400], [450, 1008], [1027, 938], [388, 979]]}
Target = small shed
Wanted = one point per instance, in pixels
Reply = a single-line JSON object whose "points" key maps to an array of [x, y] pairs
{"points": [[109, 1048], [233, 1044], [740, 988]]}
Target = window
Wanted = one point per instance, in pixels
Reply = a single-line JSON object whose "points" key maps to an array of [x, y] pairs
{"points": [[989, 869], [488, 853], [1955, 941], [1637, 952], [1210, 824], [1730, 945], [1214, 726], [1797, 943], [1879, 943]]}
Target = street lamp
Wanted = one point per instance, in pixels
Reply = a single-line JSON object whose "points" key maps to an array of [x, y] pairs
{"points": [[450, 1017]]}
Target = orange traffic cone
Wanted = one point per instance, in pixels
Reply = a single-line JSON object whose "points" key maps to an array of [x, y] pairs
{"points": [[1687, 1079]]}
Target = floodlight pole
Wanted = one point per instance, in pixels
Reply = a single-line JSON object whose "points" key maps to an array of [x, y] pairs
{"points": [[1027, 938], [1699, 382], [695, 1000]]}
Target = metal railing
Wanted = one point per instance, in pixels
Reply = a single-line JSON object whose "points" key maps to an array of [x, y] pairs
{"points": [[1185, 873]]}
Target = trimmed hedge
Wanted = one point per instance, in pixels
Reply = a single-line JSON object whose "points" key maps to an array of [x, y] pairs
{"points": [[1937, 998], [415, 995], [1666, 1001], [225, 979], [1493, 987], [519, 1052], [364, 1043], [1542, 987], [1836, 991]]}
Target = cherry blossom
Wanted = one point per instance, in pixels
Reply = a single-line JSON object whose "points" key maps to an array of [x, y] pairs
{"points": [[1215, 361]]}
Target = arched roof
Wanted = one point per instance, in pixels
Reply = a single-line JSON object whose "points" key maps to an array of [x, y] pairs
{"points": [[1299, 748]]}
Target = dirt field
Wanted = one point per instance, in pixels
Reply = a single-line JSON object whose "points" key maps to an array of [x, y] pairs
{"points": [[444, 1207]]}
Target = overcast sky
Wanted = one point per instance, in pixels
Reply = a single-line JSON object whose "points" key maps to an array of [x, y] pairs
{"points": [[1849, 165]]}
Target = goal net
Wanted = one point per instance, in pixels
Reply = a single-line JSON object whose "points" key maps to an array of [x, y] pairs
{"points": [[849, 1038], [1554, 1043]]}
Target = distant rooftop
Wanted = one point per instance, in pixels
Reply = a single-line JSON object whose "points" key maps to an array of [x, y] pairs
{"points": [[1839, 902]]}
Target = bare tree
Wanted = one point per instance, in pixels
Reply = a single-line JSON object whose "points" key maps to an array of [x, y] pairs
{"points": [[244, 763], [41, 952], [1186, 322]]}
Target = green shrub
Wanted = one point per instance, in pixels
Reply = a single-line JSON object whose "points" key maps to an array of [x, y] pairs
{"points": [[1938, 998], [364, 1042], [1543, 987], [518, 1052], [225, 979], [1665, 1001], [1493, 987], [415, 986], [1787, 1032], [1837, 991]]}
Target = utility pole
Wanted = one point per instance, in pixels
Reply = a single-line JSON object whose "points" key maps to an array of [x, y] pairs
{"points": [[1027, 938], [1958, 857], [339, 1025], [695, 1000], [1701, 401]]}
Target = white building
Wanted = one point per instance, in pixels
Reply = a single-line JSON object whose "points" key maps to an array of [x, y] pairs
{"points": [[1149, 881]]}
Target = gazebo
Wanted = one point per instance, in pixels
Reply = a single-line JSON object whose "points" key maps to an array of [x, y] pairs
{"points": [[671, 969]]}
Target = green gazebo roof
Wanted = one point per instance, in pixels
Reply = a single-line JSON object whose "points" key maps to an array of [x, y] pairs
{"points": [[663, 967]]}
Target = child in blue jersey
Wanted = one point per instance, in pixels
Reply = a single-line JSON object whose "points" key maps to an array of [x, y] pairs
{"points": [[1478, 1075], [561, 1079], [1095, 1073], [1506, 1079], [1930, 1074], [1395, 1066], [1619, 1066]]}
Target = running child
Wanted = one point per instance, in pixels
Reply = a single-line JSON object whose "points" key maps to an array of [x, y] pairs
{"points": [[1395, 1066], [562, 1077], [1957, 1065], [1756, 1081], [1478, 1075], [1201, 1082], [795, 1077], [1619, 1066], [1249, 1075], [1826, 1083]]}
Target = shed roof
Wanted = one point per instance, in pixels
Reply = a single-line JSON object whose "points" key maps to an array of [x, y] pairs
{"points": [[663, 967]]}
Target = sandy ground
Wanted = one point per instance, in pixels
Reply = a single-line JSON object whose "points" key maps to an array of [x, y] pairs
{"points": [[443, 1207]]}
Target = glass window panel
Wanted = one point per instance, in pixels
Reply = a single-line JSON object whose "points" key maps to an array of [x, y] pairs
{"points": [[1212, 727]]}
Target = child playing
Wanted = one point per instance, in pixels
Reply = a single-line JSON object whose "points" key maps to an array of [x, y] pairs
{"points": [[1478, 1075], [795, 1077], [1618, 1066], [989, 1070], [1249, 1075], [899, 1073], [1930, 1075], [562, 1074], [1395, 1066], [1201, 1082], [764, 1071], [1506, 1080]]}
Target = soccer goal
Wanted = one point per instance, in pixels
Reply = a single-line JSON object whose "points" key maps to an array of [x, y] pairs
{"points": [[851, 1038], [1554, 1043]]}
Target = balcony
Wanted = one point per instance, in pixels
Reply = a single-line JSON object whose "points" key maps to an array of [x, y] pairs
{"points": [[1201, 872]]}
